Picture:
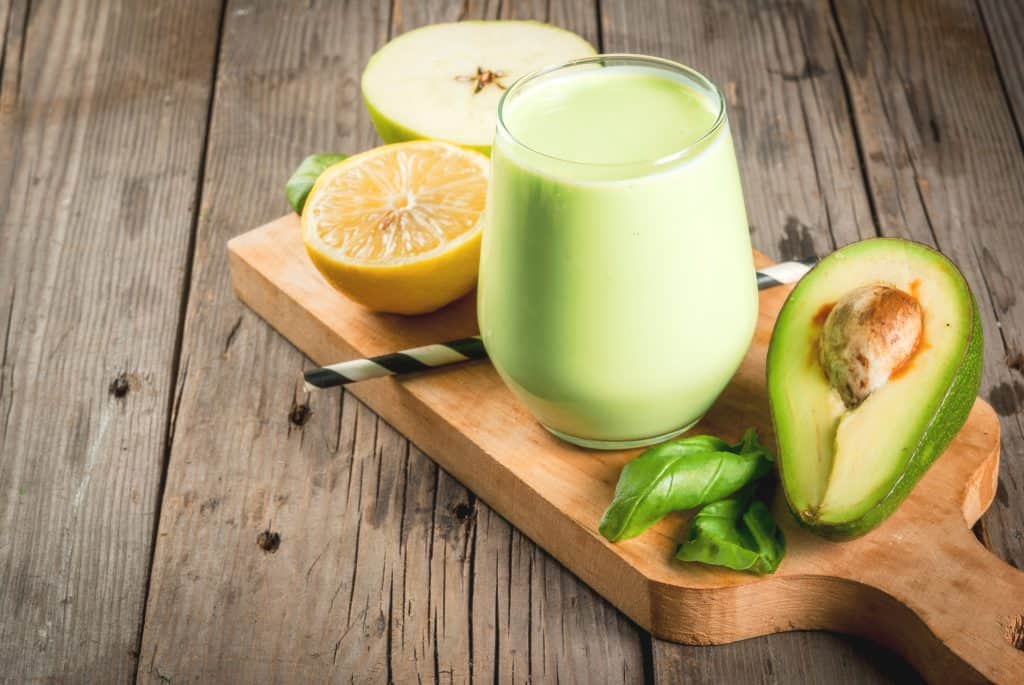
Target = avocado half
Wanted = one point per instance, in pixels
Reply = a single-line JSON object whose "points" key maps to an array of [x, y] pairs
{"points": [[846, 468]]}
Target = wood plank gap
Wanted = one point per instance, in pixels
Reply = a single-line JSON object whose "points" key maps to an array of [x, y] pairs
{"points": [[1000, 74], [10, 115], [810, 137], [497, 614], [21, 48], [3, 359], [8, 9], [471, 576], [647, 651], [176, 387], [1007, 349], [8, 23], [925, 212], [529, 617], [843, 61], [390, 636]]}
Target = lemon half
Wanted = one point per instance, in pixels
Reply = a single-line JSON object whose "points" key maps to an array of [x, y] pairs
{"points": [[397, 228]]}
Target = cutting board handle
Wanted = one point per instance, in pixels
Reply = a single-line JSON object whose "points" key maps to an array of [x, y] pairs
{"points": [[970, 601]]}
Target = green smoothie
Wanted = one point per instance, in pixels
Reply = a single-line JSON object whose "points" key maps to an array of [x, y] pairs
{"points": [[617, 292]]}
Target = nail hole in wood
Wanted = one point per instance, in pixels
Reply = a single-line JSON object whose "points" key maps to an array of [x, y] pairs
{"points": [[269, 541], [299, 414], [463, 511], [120, 386]]}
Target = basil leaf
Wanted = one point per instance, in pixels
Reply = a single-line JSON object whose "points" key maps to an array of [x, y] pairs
{"points": [[298, 186], [736, 533], [771, 544], [678, 475]]}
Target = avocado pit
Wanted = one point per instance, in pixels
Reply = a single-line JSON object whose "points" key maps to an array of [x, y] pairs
{"points": [[867, 337]]}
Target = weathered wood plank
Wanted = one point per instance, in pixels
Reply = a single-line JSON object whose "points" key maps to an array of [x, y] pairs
{"points": [[103, 109], [250, 453], [577, 15], [1004, 24], [580, 16], [533, 621], [8, 31], [386, 567], [946, 168], [805, 194], [784, 658]]}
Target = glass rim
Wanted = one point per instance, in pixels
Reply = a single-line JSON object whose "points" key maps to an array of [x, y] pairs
{"points": [[661, 62]]}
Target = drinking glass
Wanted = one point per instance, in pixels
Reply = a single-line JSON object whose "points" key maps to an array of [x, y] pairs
{"points": [[617, 291]]}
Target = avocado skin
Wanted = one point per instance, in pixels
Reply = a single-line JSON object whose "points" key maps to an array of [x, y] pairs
{"points": [[945, 424]]}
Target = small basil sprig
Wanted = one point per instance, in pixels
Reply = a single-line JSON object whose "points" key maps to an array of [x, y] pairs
{"points": [[679, 475], [738, 533], [302, 180]]}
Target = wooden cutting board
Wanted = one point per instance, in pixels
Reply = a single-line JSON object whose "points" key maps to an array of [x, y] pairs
{"points": [[921, 583]]}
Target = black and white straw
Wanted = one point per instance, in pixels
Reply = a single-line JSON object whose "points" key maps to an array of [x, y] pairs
{"points": [[466, 349], [784, 273], [406, 361]]}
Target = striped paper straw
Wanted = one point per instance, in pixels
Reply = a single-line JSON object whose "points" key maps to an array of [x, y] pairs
{"points": [[465, 349], [784, 273], [406, 361]]}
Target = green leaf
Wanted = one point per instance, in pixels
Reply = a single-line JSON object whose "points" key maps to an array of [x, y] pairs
{"points": [[736, 533], [679, 475], [298, 186]]}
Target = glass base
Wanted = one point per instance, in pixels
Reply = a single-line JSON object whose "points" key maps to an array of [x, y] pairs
{"points": [[621, 444]]}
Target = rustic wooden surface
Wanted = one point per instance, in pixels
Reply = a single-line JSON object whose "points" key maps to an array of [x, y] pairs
{"points": [[102, 121], [136, 138]]}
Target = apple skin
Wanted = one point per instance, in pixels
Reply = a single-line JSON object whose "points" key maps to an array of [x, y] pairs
{"points": [[391, 131]]}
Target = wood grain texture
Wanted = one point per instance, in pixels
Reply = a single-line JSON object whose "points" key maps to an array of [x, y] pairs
{"points": [[1003, 22], [221, 607], [945, 167], [947, 611], [106, 103], [805, 195], [103, 108], [796, 657], [387, 568]]}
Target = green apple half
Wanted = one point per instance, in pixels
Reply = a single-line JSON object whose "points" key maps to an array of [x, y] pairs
{"points": [[443, 82]]}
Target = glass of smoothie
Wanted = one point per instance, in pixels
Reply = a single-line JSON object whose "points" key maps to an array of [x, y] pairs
{"points": [[617, 291]]}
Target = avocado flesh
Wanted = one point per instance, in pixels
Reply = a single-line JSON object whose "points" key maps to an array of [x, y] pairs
{"points": [[844, 470]]}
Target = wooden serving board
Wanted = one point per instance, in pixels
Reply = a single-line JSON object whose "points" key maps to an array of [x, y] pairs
{"points": [[921, 583]]}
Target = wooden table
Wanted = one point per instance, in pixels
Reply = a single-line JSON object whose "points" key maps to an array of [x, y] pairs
{"points": [[173, 506]]}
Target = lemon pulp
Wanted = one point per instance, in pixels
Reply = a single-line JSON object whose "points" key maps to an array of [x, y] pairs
{"points": [[397, 228]]}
